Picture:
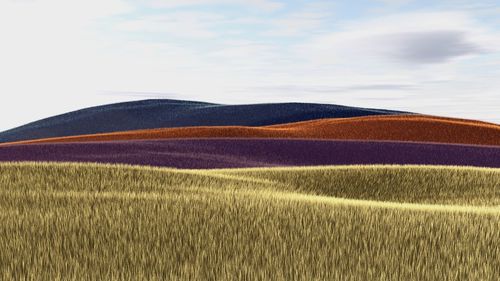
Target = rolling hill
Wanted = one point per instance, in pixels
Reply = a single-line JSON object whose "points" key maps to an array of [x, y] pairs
{"points": [[238, 153], [95, 222], [399, 204], [149, 114], [414, 128]]}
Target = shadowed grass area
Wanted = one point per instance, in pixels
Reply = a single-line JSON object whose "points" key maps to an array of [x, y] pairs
{"points": [[100, 222], [410, 184]]}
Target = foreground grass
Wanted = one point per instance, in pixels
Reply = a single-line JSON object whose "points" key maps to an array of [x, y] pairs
{"points": [[97, 222]]}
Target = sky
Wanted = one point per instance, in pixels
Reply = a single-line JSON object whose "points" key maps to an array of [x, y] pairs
{"points": [[439, 57]]}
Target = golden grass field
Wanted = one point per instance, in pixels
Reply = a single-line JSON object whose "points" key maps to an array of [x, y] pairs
{"points": [[110, 222]]}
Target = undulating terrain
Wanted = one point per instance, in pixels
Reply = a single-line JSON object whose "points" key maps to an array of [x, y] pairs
{"points": [[152, 114], [88, 222], [415, 128], [239, 153], [180, 190]]}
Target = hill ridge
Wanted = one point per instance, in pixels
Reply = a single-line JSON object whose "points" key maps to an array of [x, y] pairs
{"points": [[410, 128], [159, 113], [237, 153]]}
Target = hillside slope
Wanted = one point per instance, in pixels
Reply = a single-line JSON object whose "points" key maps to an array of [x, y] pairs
{"points": [[238, 153], [148, 114], [95, 222], [414, 128]]}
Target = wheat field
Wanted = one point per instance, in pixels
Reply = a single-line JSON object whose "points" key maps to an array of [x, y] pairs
{"points": [[111, 222]]}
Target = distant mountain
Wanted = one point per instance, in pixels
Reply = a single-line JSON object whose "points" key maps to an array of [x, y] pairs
{"points": [[150, 114]]}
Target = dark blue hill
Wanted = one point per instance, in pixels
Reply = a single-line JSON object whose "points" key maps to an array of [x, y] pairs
{"points": [[149, 114]]}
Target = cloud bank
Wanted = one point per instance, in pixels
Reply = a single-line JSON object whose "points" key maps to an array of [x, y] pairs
{"points": [[67, 54]]}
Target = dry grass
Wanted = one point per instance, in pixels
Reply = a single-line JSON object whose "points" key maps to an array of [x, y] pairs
{"points": [[100, 222]]}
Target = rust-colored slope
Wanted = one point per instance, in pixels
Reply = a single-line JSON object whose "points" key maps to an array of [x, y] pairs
{"points": [[418, 128]]}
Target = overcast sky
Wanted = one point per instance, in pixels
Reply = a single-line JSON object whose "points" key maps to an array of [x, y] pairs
{"points": [[438, 57]]}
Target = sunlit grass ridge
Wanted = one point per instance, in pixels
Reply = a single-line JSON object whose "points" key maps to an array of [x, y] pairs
{"points": [[408, 184], [86, 221]]}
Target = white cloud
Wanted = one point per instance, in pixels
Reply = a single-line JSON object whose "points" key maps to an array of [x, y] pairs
{"points": [[313, 18], [297, 24], [395, 2], [56, 56], [179, 24], [416, 38], [49, 56], [428, 46], [264, 5]]}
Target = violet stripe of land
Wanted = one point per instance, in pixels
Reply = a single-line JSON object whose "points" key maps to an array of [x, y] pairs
{"points": [[235, 153]]}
